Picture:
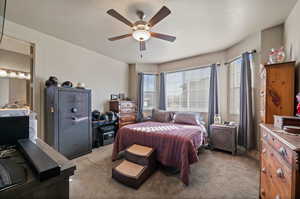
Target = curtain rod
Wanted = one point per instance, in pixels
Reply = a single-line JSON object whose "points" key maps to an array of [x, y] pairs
{"points": [[236, 58], [190, 68]]}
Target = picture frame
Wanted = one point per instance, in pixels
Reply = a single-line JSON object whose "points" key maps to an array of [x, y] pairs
{"points": [[114, 97]]}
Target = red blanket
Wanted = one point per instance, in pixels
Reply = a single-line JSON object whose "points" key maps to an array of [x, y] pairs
{"points": [[175, 144]]}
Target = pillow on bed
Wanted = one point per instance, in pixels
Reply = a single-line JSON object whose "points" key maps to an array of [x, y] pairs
{"points": [[188, 118], [162, 116]]}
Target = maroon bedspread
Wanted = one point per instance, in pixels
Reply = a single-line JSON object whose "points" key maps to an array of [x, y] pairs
{"points": [[175, 144]]}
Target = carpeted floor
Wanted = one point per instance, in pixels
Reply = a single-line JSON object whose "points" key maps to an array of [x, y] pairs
{"points": [[217, 175]]}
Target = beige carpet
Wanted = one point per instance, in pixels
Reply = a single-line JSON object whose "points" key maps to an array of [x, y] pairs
{"points": [[217, 175]]}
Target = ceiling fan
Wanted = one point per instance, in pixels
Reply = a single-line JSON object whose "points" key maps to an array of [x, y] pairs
{"points": [[141, 30]]}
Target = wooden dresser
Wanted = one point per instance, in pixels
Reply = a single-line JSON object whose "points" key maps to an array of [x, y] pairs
{"points": [[279, 165], [277, 92], [126, 111]]}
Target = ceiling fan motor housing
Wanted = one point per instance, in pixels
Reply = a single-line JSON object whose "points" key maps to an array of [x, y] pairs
{"points": [[141, 31]]}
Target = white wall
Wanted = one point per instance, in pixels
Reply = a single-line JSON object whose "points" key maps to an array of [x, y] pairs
{"points": [[15, 61], [56, 57], [191, 62], [271, 38], [15, 45], [292, 39]]}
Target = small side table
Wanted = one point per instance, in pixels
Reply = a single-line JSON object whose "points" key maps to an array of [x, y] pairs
{"points": [[224, 137]]}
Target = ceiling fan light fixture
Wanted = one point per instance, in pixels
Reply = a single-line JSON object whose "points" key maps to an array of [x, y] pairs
{"points": [[141, 35]]}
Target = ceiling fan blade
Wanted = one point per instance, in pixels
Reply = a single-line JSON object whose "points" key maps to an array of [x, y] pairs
{"points": [[163, 36], [160, 15], [118, 16], [119, 37], [142, 45]]}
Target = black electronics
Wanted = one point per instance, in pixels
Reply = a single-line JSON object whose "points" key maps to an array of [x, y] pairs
{"points": [[103, 132], [96, 115], [107, 134], [42, 164], [2, 17], [112, 116], [13, 128], [108, 138]]}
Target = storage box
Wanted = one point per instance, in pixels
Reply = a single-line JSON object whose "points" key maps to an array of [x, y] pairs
{"points": [[281, 121]]}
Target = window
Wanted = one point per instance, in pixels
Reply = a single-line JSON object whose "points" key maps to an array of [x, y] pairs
{"points": [[150, 92], [188, 90], [234, 87]]}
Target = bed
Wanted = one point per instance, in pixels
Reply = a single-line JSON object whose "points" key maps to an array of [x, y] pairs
{"points": [[176, 144]]}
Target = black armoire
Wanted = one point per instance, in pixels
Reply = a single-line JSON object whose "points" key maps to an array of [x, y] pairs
{"points": [[68, 120]]}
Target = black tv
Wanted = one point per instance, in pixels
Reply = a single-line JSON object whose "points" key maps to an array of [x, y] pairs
{"points": [[12, 129], [2, 17]]}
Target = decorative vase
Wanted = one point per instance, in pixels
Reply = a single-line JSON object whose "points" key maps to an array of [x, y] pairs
{"points": [[273, 56], [280, 55]]}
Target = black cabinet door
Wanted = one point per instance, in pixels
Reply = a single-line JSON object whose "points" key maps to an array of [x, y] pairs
{"points": [[74, 123]]}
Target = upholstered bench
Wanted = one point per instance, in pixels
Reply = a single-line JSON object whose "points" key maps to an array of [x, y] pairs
{"points": [[141, 155], [140, 163], [131, 174]]}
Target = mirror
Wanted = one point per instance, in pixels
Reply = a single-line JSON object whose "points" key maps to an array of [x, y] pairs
{"points": [[15, 74]]}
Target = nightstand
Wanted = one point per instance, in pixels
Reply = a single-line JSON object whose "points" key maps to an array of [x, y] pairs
{"points": [[223, 137]]}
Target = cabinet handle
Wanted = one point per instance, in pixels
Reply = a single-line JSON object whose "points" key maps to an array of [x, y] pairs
{"points": [[264, 150], [264, 170], [277, 197], [75, 119], [263, 192], [279, 173]]}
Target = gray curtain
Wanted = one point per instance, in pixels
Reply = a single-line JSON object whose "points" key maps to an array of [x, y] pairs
{"points": [[246, 127], [162, 92], [140, 96], [213, 107]]}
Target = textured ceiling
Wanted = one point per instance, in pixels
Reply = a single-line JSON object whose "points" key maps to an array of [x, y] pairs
{"points": [[201, 26]]}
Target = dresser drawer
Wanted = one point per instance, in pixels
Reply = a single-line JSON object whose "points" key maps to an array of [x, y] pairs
{"points": [[284, 152], [276, 176], [127, 118], [265, 183], [127, 104], [127, 110], [125, 123]]}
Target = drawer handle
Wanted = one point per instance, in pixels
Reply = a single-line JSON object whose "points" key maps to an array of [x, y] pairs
{"points": [[277, 197], [264, 150], [280, 173], [263, 170]]}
